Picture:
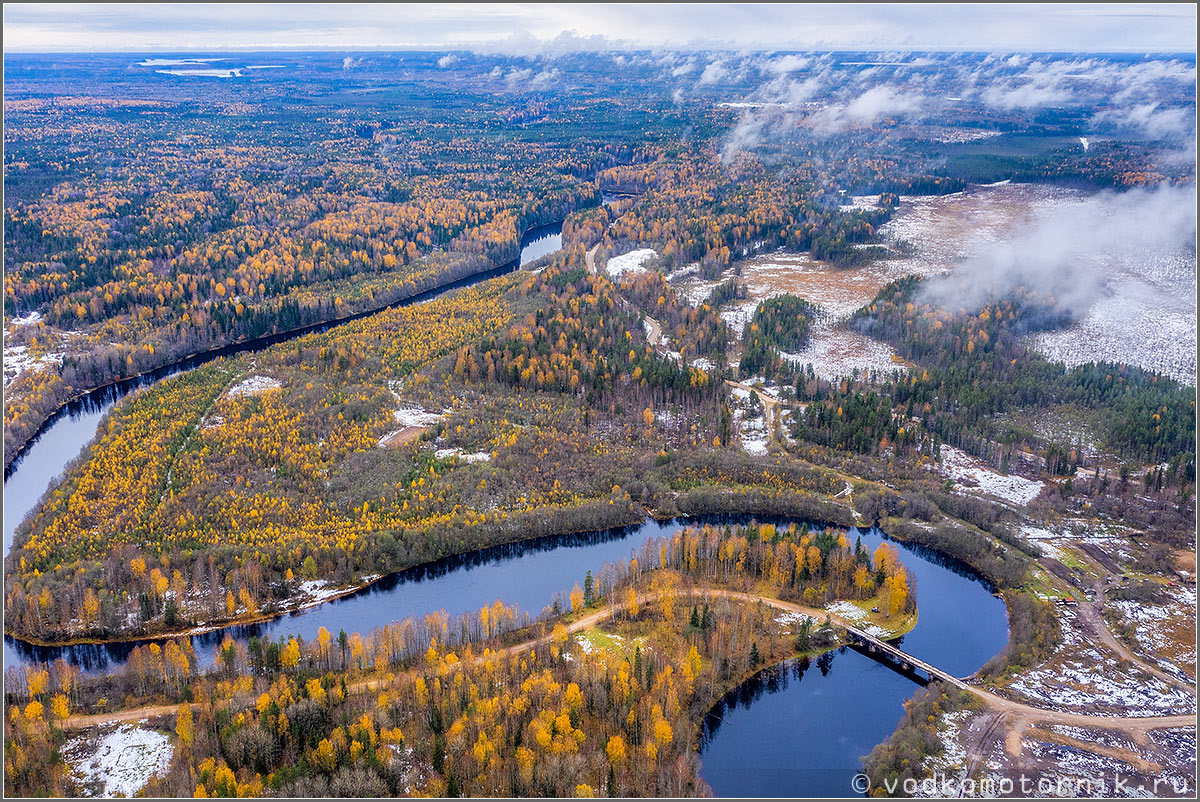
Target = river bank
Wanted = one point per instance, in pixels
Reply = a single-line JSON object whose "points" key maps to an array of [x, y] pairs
{"points": [[531, 246]]}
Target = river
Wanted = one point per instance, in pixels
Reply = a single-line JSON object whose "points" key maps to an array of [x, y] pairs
{"points": [[796, 729], [64, 436], [799, 728]]}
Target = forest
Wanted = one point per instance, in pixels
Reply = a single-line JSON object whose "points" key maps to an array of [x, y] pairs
{"points": [[488, 703], [975, 363], [148, 220], [346, 452]]}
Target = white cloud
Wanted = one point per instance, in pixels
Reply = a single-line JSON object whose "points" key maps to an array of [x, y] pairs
{"points": [[1064, 253], [518, 78], [881, 101], [785, 64], [509, 27], [1150, 119], [714, 73]]}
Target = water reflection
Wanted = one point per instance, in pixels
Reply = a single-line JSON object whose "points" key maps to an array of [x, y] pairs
{"points": [[799, 728], [794, 731], [63, 436]]}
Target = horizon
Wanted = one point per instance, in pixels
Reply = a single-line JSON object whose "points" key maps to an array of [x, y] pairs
{"points": [[553, 29]]}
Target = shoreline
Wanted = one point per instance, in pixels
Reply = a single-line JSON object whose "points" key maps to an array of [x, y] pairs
{"points": [[203, 629], [251, 344]]}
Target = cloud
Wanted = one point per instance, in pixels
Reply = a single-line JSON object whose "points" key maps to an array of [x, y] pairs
{"points": [[792, 92], [1039, 83], [714, 73], [785, 64], [350, 63], [875, 104], [1150, 119], [1066, 254], [749, 133], [447, 60], [524, 44], [1135, 28], [545, 79], [519, 79], [881, 101]]}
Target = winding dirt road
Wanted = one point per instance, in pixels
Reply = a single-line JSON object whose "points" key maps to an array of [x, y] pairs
{"points": [[1016, 715], [1092, 618]]}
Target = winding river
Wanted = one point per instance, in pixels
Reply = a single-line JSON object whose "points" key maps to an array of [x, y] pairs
{"points": [[795, 729], [64, 436]]}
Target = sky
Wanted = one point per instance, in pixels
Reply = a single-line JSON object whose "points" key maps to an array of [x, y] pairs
{"points": [[529, 28]]}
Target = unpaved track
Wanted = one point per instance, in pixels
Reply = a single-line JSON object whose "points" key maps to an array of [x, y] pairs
{"points": [[1021, 715], [772, 405], [1093, 620]]}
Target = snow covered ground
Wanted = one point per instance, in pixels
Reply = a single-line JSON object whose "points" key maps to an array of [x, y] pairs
{"points": [[479, 456], [1149, 320], [834, 350], [1049, 542], [951, 762], [318, 591], [26, 320], [1086, 678], [253, 385], [1148, 317], [974, 476], [1165, 631], [752, 431], [786, 620], [416, 416], [864, 202], [943, 230], [122, 761], [630, 262], [858, 616], [18, 360]]}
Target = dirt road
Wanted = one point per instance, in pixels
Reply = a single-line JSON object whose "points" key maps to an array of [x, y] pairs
{"points": [[1016, 715], [772, 406], [1092, 618]]}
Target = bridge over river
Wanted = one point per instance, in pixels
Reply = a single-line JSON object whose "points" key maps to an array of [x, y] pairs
{"points": [[906, 661]]}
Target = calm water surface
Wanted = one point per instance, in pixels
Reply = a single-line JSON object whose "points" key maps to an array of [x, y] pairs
{"points": [[795, 729], [66, 434], [800, 728]]}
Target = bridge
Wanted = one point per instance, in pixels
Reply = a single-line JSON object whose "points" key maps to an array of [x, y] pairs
{"points": [[904, 659]]}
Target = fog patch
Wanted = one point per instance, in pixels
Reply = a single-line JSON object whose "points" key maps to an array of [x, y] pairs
{"points": [[1066, 255], [714, 73]]}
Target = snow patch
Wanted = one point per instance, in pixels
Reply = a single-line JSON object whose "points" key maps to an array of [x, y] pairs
{"points": [[254, 385], [863, 202], [318, 591], [630, 262], [1085, 678], [478, 456], [857, 616], [416, 416], [17, 360], [961, 467], [26, 320], [124, 760]]}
